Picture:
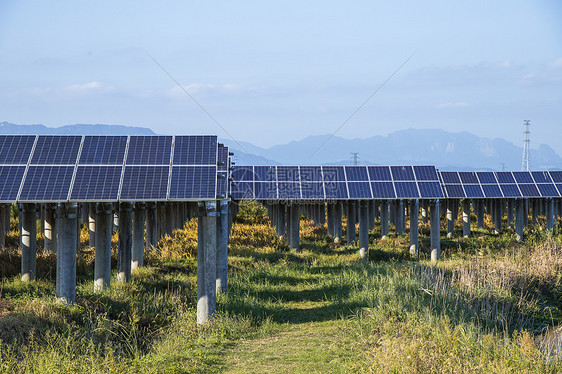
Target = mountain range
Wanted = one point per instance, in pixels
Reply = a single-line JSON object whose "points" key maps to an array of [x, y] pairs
{"points": [[446, 150]]}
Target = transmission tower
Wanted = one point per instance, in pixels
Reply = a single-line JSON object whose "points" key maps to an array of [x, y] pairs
{"points": [[526, 143], [355, 158]]}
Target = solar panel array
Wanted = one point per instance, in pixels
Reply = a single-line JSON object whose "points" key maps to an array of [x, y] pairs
{"points": [[335, 182], [497, 185], [52, 168]]}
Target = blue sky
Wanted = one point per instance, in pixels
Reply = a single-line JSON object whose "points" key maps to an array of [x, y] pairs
{"points": [[273, 72]]}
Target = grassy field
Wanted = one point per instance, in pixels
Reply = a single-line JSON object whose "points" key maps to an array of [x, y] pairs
{"points": [[491, 305]]}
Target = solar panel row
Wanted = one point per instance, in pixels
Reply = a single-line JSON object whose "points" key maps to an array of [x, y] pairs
{"points": [[108, 168], [335, 182]]}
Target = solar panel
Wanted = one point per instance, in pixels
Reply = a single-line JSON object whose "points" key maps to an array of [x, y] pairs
{"points": [[47, 183], [310, 173], [383, 190], [379, 173], [194, 150], [556, 176], [243, 173], [450, 177], [15, 149], [150, 150], [473, 191], [510, 190], [103, 150], [359, 190], [336, 190], [548, 190], [402, 173], [454, 191], [333, 173], [145, 183], [11, 177], [430, 190], [222, 184], [492, 191], [407, 190], [541, 177], [56, 150], [505, 177], [356, 173], [193, 182], [425, 173], [486, 177], [289, 190], [312, 190], [265, 190], [468, 177], [523, 177], [529, 190], [265, 173], [222, 161], [242, 190], [96, 183], [288, 173]]}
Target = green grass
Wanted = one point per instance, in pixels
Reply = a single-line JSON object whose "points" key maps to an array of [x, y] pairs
{"points": [[489, 306]]}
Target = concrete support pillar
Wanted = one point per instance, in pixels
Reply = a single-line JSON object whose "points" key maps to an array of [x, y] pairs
{"points": [[125, 242], [385, 205], [139, 219], [92, 223], [161, 219], [519, 218], [66, 222], [116, 218], [466, 218], [364, 230], [222, 247], [3, 225], [322, 214], [450, 218], [151, 226], [372, 214], [550, 214], [103, 233], [170, 224], [294, 223], [479, 214], [8, 216], [207, 262], [351, 214], [535, 204], [414, 227], [338, 230], [282, 220], [393, 213], [510, 212], [424, 209], [498, 216], [28, 242], [330, 219], [399, 223], [435, 231]]}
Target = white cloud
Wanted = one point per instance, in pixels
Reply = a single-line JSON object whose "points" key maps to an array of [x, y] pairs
{"points": [[461, 104], [87, 87], [556, 64]]}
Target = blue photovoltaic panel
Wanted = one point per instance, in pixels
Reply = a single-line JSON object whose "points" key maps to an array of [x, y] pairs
{"points": [[311, 173], [473, 191], [223, 159], [379, 173], [38, 178], [312, 190], [145, 182], [288, 173], [510, 190], [450, 177], [468, 177], [559, 188], [505, 177], [541, 177], [56, 150], [11, 177], [529, 190], [265, 173], [96, 183], [425, 173], [486, 177], [548, 190], [242, 190], [333, 173], [492, 191], [243, 173], [289, 190], [149, 150], [15, 149], [193, 182], [383, 190], [222, 184], [406, 190], [523, 177], [103, 150], [190, 150], [454, 191], [556, 176], [356, 173], [430, 190], [359, 190], [265, 190], [336, 190], [402, 173]]}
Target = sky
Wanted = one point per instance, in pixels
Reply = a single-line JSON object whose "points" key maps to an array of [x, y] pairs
{"points": [[274, 72]]}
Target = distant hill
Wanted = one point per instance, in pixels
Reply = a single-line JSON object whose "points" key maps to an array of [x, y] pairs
{"points": [[79, 129]]}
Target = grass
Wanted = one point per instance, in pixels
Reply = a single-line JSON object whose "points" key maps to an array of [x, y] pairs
{"points": [[491, 305]]}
